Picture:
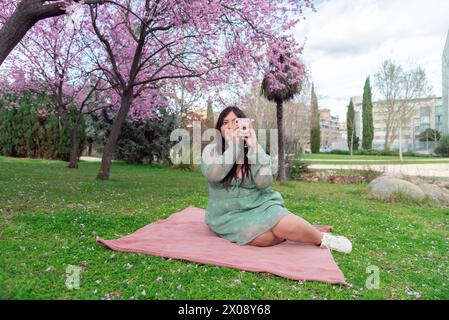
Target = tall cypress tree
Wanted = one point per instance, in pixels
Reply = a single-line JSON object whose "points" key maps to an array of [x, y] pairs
{"points": [[367, 116], [210, 115], [350, 128], [315, 135]]}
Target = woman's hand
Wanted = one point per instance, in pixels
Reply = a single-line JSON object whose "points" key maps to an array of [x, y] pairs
{"points": [[231, 135], [251, 140]]}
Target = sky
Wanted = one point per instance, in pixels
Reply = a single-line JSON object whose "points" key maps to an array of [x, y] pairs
{"points": [[346, 41]]}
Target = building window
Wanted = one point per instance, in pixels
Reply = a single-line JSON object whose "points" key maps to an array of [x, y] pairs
{"points": [[425, 120]]}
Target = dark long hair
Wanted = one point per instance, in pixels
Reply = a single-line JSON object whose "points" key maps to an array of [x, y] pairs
{"points": [[245, 166]]}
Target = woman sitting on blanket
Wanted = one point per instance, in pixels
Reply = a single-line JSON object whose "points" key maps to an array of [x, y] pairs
{"points": [[241, 207]]}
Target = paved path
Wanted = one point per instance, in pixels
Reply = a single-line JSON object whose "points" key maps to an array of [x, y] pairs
{"points": [[440, 170], [377, 160], [91, 159]]}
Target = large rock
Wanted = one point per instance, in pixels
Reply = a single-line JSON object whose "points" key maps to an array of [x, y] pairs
{"points": [[434, 192], [443, 185], [385, 186]]}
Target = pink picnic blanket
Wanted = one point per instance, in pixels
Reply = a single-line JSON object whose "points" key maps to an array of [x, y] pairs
{"points": [[185, 236]]}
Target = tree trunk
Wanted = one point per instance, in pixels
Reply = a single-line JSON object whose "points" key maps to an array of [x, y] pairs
{"points": [[352, 140], [27, 13], [63, 115], [24, 17], [113, 137], [73, 147], [387, 139], [89, 151], [400, 142], [281, 173], [386, 144]]}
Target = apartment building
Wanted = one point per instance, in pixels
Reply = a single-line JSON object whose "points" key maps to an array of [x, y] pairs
{"points": [[426, 113], [329, 128], [445, 88]]}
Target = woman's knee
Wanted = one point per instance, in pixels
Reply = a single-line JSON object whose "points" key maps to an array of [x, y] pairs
{"points": [[265, 240], [285, 226]]}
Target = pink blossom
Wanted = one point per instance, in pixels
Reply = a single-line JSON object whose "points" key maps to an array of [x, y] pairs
{"points": [[210, 44]]}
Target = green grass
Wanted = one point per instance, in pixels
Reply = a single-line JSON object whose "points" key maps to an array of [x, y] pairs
{"points": [[329, 159], [362, 157], [370, 162], [51, 216]]}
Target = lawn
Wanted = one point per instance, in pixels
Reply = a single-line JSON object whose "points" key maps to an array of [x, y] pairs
{"points": [[50, 216], [327, 158]]}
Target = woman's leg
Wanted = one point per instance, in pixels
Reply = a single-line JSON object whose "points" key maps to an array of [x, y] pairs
{"points": [[294, 228], [266, 239]]}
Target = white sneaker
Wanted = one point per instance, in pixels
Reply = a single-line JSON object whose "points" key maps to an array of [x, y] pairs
{"points": [[337, 243]]}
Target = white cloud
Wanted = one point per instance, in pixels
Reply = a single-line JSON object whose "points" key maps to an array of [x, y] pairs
{"points": [[347, 40]]}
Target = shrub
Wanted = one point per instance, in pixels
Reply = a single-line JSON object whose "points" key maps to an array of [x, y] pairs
{"points": [[29, 132], [443, 147], [412, 154], [140, 141], [296, 167], [394, 152], [430, 135], [338, 151], [369, 174], [369, 152]]}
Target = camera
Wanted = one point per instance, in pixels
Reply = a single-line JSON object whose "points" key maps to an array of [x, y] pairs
{"points": [[243, 125]]}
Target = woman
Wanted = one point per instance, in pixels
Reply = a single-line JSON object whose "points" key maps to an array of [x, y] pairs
{"points": [[241, 208]]}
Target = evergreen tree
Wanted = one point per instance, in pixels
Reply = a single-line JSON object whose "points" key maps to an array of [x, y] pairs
{"points": [[429, 135], [315, 134], [353, 140], [31, 131], [367, 117], [139, 141]]}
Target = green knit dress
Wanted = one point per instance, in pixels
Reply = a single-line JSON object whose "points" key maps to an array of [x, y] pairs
{"points": [[241, 213]]}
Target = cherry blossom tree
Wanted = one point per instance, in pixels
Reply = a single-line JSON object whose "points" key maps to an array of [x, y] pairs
{"points": [[51, 60], [145, 45], [17, 17]]}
